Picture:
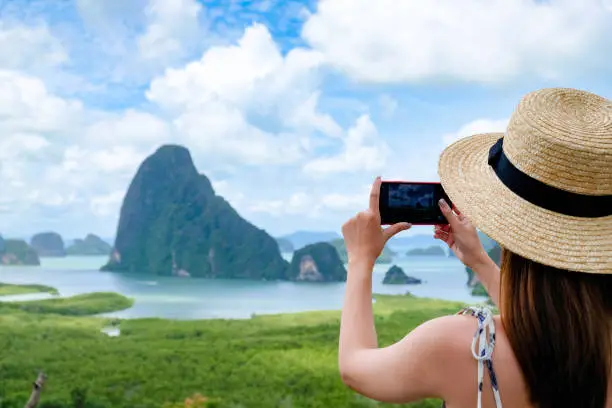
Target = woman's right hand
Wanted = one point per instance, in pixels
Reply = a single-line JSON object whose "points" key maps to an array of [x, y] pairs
{"points": [[461, 237]]}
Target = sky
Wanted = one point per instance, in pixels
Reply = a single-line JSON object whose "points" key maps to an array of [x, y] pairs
{"points": [[291, 108]]}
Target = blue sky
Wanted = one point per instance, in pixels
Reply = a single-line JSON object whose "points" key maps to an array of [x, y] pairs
{"points": [[291, 108]]}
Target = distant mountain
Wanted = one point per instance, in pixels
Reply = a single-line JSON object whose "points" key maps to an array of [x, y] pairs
{"points": [[434, 250], [48, 244], [413, 241], [385, 257], [285, 245], [300, 239], [91, 245]]}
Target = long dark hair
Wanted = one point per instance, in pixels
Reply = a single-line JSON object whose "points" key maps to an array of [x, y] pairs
{"points": [[558, 325]]}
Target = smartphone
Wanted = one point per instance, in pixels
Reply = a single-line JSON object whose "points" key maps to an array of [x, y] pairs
{"points": [[413, 202]]}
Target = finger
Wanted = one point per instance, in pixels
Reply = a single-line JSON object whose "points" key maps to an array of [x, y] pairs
{"points": [[375, 196], [444, 227], [395, 228], [458, 213], [448, 213], [442, 236]]}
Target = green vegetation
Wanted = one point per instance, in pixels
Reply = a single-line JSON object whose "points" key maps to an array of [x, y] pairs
{"points": [[80, 305], [172, 222], [10, 289], [434, 250], [385, 258], [17, 252], [268, 361], [317, 262], [91, 245]]}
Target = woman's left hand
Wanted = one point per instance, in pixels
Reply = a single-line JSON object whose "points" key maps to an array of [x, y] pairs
{"points": [[364, 236]]}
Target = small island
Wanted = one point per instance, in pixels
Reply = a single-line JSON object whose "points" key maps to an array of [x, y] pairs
{"points": [[17, 252], [90, 246], [434, 250], [386, 257], [396, 276], [318, 262], [48, 244]]}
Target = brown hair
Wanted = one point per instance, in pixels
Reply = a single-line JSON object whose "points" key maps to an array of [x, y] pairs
{"points": [[558, 325]]}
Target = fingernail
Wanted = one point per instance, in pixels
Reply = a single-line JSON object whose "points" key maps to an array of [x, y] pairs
{"points": [[443, 203]]}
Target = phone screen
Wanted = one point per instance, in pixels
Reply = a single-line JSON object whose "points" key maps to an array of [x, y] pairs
{"points": [[413, 202]]}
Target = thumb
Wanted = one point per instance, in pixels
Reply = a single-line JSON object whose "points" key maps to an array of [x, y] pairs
{"points": [[395, 228], [448, 213]]}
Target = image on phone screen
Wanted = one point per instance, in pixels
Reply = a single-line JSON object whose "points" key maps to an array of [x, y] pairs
{"points": [[414, 202]]}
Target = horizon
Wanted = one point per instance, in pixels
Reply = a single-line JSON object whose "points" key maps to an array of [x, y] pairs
{"points": [[289, 108]]}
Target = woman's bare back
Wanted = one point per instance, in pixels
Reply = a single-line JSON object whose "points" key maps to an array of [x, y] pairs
{"points": [[462, 393]]}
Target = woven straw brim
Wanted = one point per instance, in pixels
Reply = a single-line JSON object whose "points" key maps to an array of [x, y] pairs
{"points": [[566, 242]]}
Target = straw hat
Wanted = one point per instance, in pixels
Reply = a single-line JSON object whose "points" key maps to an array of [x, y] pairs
{"points": [[542, 189]]}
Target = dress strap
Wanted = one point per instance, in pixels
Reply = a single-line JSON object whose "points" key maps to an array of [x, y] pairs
{"points": [[483, 344]]}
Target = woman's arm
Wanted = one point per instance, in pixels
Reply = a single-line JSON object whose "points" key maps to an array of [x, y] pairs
{"points": [[357, 330], [416, 367], [489, 275], [461, 237]]}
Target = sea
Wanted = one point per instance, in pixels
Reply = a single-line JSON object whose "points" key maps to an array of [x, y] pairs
{"points": [[196, 298]]}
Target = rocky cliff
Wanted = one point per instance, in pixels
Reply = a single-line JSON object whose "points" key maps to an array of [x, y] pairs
{"points": [[396, 276], [48, 244], [173, 223], [91, 245], [317, 263], [17, 252]]}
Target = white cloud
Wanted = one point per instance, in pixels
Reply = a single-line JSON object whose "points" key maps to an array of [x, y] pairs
{"points": [[313, 205], [172, 26], [475, 127], [470, 40], [247, 102], [363, 150], [29, 48], [132, 126]]}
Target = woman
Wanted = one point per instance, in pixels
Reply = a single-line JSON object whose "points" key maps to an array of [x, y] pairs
{"points": [[543, 191]]}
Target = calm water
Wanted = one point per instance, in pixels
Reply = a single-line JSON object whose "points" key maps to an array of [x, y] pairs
{"points": [[177, 298]]}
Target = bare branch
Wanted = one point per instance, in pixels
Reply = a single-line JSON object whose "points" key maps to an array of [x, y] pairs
{"points": [[37, 387]]}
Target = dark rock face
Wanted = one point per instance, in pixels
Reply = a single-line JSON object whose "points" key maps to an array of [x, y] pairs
{"points": [[91, 245], [317, 263], [48, 244], [172, 223], [396, 276], [17, 252]]}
